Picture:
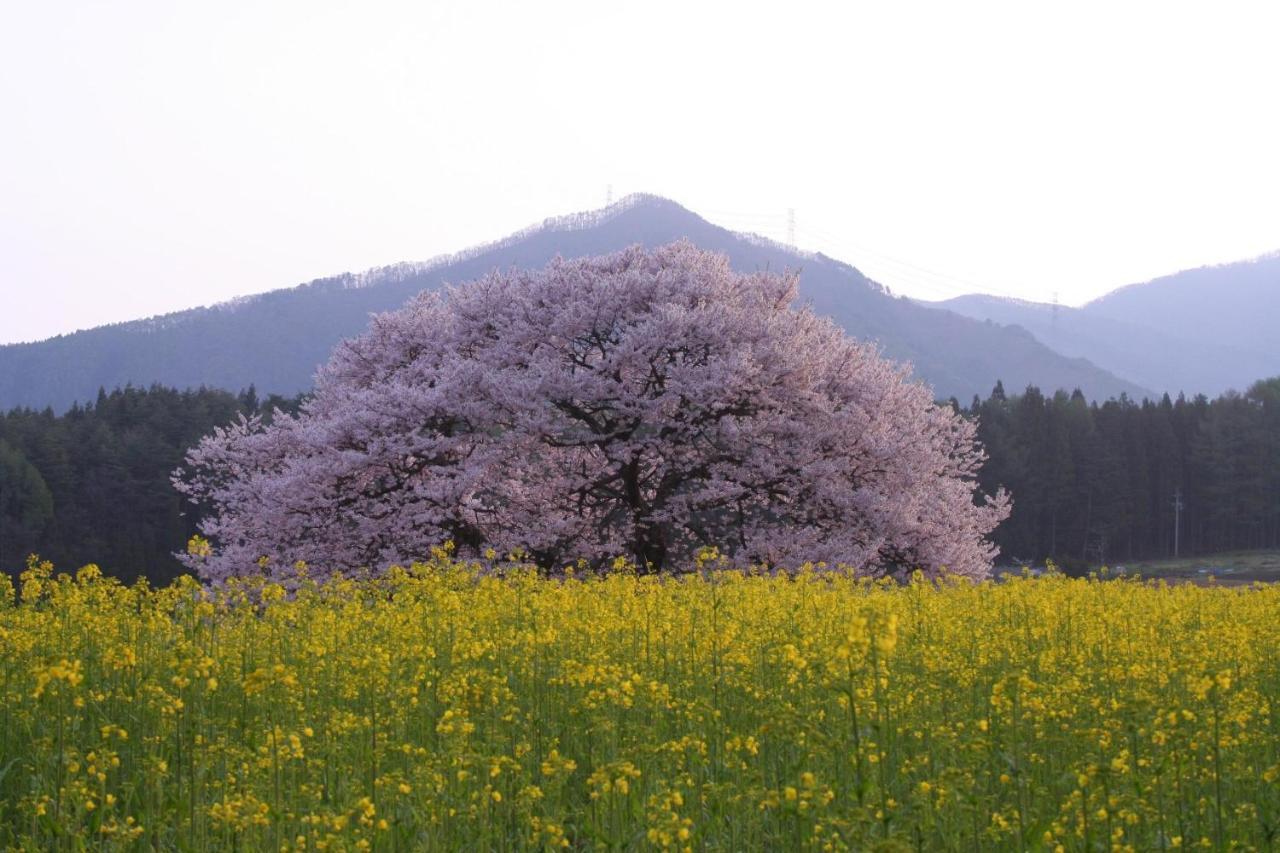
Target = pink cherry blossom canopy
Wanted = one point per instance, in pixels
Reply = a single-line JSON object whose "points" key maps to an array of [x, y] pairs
{"points": [[642, 404]]}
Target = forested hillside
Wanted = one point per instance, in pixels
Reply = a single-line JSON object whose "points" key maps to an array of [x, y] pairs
{"points": [[1098, 482], [1090, 482], [92, 485]]}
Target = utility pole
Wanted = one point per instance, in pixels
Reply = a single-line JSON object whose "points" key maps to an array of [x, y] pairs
{"points": [[791, 226], [1177, 518]]}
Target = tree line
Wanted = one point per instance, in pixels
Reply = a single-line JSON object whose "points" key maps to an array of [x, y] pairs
{"points": [[92, 485], [1091, 482], [1122, 480]]}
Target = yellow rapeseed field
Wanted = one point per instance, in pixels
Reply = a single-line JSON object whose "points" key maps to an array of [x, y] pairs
{"points": [[464, 708]]}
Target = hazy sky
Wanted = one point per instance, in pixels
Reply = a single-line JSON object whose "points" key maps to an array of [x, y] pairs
{"points": [[160, 155]]}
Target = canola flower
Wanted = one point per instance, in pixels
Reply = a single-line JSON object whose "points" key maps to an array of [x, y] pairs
{"points": [[465, 707]]}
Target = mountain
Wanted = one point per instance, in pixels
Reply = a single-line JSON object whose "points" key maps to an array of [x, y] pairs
{"points": [[1205, 330], [1236, 303], [276, 340]]}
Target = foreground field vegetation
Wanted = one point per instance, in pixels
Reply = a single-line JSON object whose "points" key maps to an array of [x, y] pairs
{"points": [[453, 707]]}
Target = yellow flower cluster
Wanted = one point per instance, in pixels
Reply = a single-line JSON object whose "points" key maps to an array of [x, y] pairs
{"points": [[452, 707]]}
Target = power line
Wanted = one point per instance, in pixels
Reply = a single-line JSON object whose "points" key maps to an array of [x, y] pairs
{"points": [[955, 283], [937, 284]]}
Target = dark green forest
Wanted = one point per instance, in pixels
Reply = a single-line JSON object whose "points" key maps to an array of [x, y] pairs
{"points": [[1097, 483], [92, 485], [1091, 483]]}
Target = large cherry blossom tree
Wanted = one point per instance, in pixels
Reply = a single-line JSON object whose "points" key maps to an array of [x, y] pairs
{"points": [[643, 404]]}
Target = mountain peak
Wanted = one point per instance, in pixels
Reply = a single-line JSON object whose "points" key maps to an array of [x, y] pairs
{"points": [[276, 340], [641, 203]]}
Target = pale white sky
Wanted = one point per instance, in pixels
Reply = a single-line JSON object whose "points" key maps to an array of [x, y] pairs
{"points": [[160, 155]]}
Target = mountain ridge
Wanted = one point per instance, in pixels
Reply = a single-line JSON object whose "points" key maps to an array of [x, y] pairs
{"points": [[1265, 257], [1204, 330], [278, 338]]}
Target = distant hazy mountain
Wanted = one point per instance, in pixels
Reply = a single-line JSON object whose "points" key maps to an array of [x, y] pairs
{"points": [[1237, 303], [1201, 331], [277, 339]]}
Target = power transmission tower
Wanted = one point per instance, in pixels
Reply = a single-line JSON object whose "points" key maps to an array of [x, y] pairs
{"points": [[1055, 308], [608, 195], [791, 226], [1177, 519]]}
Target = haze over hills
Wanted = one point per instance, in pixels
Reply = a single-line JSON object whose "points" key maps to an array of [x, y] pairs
{"points": [[277, 339], [1204, 330]]}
